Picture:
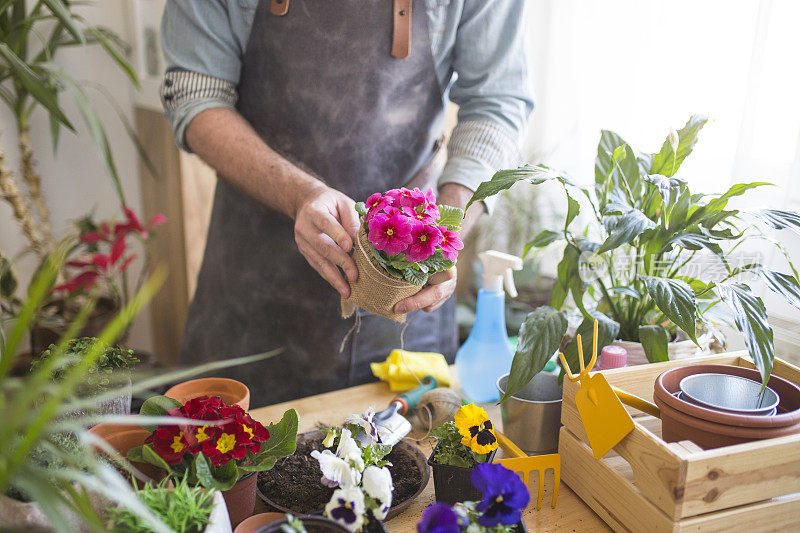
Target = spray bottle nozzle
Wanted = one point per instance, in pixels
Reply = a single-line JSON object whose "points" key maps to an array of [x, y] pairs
{"points": [[497, 268]]}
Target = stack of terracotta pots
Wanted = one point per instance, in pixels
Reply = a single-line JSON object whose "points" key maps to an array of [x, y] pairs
{"points": [[711, 428]]}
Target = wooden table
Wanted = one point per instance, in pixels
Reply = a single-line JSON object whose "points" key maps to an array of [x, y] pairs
{"points": [[329, 409]]}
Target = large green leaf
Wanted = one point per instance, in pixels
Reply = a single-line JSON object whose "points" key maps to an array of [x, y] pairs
{"points": [[35, 85], [544, 238], [668, 160], [779, 219], [750, 316], [215, 477], [655, 342], [628, 167], [282, 439], [539, 337], [676, 300], [784, 284], [624, 228], [604, 163], [504, 179], [607, 332], [573, 208], [450, 216], [157, 406]]}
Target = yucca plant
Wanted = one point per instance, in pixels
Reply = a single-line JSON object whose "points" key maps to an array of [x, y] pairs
{"points": [[627, 265], [33, 409], [31, 35]]}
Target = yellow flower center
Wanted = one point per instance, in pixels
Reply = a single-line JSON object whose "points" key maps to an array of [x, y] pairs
{"points": [[201, 434], [390, 231], [423, 238], [499, 498], [248, 430], [226, 442], [177, 445]]}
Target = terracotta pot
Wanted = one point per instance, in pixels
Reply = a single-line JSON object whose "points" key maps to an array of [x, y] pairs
{"points": [[230, 390], [257, 521], [124, 437], [43, 334], [668, 384], [681, 349], [681, 420], [241, 498]]}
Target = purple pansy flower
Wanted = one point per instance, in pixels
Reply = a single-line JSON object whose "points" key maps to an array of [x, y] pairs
{"points": [[424, 240], [451, 243], [392, 234], [504, 494], [438, 517]]}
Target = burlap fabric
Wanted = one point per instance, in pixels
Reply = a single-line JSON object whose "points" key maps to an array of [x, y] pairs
{"points": [[375, 290]]}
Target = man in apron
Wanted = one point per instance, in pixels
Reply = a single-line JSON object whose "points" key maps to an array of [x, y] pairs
{"points": [[303, 107]]}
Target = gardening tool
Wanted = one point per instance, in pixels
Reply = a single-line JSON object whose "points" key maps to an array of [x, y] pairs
{"points": [[392, 426], [604, 417], [523, 465]]}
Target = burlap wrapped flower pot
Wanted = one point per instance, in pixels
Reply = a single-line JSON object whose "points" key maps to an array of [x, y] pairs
{"points": [[375, 290]]}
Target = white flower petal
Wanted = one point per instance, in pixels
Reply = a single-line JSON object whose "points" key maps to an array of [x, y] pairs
{"points": [[336, 470], [343, 501], [377, 483]]}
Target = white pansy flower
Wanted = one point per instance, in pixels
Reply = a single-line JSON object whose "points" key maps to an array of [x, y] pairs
{"points": [[336, 471], [347, 508], [377, 483], [349, 450], [365, 422]]}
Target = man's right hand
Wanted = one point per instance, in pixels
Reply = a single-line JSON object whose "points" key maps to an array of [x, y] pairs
{"points": [[325, 229]]}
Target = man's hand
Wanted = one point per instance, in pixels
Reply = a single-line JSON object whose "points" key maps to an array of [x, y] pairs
{"points": [[442, 284], [325, 229]]}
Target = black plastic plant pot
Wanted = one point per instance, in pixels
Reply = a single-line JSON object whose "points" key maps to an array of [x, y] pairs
{"points": [[452, 483], [520, 527], [321, 524]]}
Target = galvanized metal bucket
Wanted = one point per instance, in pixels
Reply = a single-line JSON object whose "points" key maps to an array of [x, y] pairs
{"points": [[532, 417]]}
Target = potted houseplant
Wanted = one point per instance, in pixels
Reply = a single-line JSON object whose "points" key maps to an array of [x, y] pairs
{"points": [[305, 482], [183, 508], [111, 370], [498, 509], [404, 238], [641, 266], [462, 444], [223, 455]]}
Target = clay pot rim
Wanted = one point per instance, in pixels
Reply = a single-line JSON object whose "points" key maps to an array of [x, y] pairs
{"points": [[242, 390], [666, 396], [255, 520], [394, 510], [738, 432]]}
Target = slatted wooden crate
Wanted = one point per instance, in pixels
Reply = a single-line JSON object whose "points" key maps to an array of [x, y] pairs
{"points": [[646, 484]]}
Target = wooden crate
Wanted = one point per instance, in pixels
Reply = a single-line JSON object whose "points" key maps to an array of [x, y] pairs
{"points": [[646, 484]]}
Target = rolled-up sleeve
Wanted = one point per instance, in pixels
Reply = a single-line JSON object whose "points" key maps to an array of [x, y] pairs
{"points": [[492, 90], [203, 61]]}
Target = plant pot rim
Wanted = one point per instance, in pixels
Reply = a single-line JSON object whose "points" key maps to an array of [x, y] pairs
{"points": [[314, 517], [526, 400], [433, 463], [394, 510], [237, 389]]}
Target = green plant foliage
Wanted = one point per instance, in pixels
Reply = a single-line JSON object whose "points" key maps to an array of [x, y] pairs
{"points": [[625, 264], [450, 451], [184, 509]]}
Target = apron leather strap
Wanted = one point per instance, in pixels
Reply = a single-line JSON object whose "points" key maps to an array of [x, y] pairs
{"points": [[279, 7], [401, 38]]}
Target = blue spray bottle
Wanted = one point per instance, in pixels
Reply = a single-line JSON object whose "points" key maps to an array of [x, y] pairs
{"points": [[486, 355]]}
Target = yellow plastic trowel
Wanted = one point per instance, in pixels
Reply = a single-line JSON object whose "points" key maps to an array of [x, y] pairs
{"points": [[604, 417]]}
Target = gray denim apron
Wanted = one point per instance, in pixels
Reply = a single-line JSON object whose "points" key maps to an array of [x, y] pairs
{"points": [[319, 86]]}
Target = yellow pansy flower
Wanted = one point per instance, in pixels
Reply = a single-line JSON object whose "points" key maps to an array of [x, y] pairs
{"points": [[475, 428]]}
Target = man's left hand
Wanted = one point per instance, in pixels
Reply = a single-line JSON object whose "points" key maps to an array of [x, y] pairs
{"points": [[442, 284]]}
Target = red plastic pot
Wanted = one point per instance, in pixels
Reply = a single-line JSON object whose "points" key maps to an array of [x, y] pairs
{"points": [[231, 391], [241, 499]]}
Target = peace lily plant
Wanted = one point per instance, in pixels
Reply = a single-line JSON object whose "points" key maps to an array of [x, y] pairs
{"points": [[629, 264], [358, 471]]}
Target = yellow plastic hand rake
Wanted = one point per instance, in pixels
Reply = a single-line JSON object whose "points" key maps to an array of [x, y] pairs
{"points": [[604, 418], [523, 465]]}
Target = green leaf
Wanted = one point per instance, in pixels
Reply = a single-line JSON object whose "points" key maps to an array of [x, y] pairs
{"points": [[107, 41], [63, 14], [628, 166], [778, 219], [624, 228], [544, 238], [263, 465], [157, 406], [607, 332], [34, 85], [676, 300], [750, 316], [282, 438], [783, 284], [668, 160], [539, 337], [8, 281], [655, 342], [450, 216], [558, 293], [604, 164], [573, 208], [361, 208], [146, 454], [437, 262], [716, 205], [504, 179], [215, 477], [415, 276]]}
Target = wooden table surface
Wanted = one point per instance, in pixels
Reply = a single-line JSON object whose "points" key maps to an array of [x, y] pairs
{"points": [[329, 409]]}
